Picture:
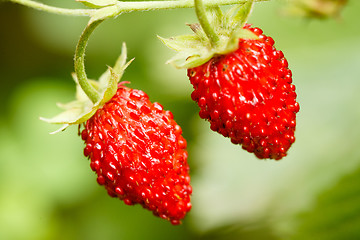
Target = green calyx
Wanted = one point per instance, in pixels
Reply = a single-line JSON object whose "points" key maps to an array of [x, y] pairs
{"points": [[196, 49], [81, 109]]}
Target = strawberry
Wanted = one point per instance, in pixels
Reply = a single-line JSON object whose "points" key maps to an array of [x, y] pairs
{"points": [[139, 155], [247, 96], [242, 84], [135, 147]]}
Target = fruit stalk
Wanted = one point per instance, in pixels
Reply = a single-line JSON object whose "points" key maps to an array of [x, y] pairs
{"points": [[125, 7], [56, 10], [205, 24], [79, 60]]}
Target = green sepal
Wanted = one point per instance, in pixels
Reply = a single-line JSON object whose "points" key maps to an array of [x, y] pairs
{"points": [[193, 51], [181, 43], [242, 14], [190, 50], [98, 3], [196, 49], [81, 109]]}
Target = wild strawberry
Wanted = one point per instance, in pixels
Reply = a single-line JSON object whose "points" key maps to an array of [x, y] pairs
{"points": [[247, 96], [242, 84], [139, 155], [135, 147]]}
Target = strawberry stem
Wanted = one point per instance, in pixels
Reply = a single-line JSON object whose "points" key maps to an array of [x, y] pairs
{"points": [[79, 60], [56, 10], [126, 7], [205, 24]]}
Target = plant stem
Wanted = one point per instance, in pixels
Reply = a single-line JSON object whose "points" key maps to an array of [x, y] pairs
{"points": [[79, 64], [56, 10], [162, 5], [205, 24], [124, 7]]}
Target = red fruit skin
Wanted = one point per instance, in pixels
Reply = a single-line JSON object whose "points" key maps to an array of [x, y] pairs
{"points": [[247, 96], [139, 155]]}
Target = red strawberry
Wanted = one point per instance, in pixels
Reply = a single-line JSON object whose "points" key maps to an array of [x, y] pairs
{"points": [[139, 155], [247, 96]]}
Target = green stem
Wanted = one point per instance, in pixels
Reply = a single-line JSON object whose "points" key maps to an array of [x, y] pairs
{"points": [[162, 5], [123, 7], [56, 10], [79, 64], [205, 24]]}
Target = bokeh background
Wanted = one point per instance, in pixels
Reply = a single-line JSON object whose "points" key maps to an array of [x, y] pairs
{"points": [[48, 191]]}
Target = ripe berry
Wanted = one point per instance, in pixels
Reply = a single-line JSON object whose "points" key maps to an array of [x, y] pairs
{"points": [[139, 155], [247, 95]]}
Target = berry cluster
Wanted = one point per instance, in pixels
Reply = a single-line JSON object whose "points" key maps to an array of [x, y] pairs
{"points": [[136, 148], [242, 85]]}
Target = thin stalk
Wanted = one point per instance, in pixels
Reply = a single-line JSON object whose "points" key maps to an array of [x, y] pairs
{"points": [[205, 24], [56, 10], [163, 5], [79, 62], [124, 7]]}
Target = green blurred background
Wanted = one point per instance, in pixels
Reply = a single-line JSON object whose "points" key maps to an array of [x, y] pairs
{"points": [[48, 191]]}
